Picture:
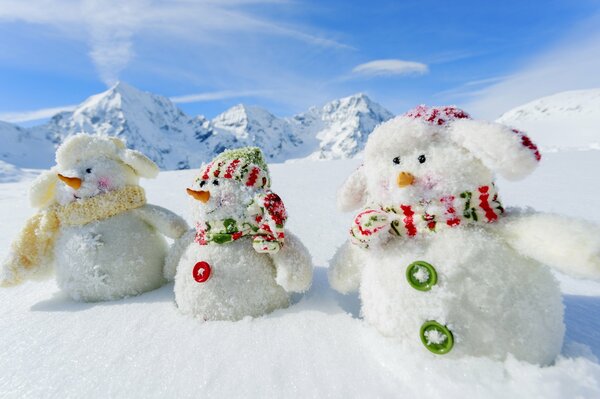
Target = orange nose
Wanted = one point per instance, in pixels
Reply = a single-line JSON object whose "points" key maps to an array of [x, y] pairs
{"points": [[405, 179], [202, 196], [73, 182]]}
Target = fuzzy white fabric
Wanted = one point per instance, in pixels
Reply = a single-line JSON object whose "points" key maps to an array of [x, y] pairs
{"points": [[119, 256], [85, 147], [110, 259], [494, 291], [568, 245], [242, 281]]}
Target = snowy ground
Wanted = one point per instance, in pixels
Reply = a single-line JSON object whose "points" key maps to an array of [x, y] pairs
{"points": [[319, 347]]}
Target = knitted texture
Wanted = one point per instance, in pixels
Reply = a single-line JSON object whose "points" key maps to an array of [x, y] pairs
{"points": [[443, 116], [35, 242], [481, 206], [245, 165], [264, 220]]}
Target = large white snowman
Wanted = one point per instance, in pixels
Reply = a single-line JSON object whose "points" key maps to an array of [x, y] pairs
{"points": [[94, 227], [239, 261], [438, 262]]}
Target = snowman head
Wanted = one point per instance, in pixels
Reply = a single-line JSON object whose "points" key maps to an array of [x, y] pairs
{"points": [[89, 165], [228, 184], [430, 153]]}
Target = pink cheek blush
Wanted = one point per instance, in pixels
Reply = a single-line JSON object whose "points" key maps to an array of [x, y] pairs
{"points": [[429, 182], [104, 183]]}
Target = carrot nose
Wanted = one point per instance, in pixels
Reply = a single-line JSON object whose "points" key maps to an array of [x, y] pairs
{"points": [[405, 179], [73, 182], [202, 196]]}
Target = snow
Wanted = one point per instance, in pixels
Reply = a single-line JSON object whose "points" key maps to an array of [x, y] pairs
{"points": [[154, 125], [9, 173], [319, 347], [566, 120], [24, 147]]}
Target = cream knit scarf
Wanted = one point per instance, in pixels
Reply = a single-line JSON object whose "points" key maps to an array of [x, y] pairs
{"points": [[35, 243]]}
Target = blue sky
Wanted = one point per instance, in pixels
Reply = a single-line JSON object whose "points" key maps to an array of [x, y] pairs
{"points": [[487, 56]]}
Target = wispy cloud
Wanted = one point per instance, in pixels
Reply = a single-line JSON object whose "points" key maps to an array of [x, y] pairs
{"points": [[219, 95], [468, 89], [572, 64], [390, 67], [112, 27], [35, 115]]}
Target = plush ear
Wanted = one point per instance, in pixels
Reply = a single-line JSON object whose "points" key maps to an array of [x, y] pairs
{"points": [[141, 164], [352, 194], [41, 193], [502, 149]]}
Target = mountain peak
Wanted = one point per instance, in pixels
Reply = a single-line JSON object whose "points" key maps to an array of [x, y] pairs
{"points": [[154, 125], [125, 89]]}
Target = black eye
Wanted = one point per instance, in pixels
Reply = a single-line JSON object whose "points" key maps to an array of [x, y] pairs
{"points": [[202, 183], [215, 182], [88, 170], [396, 160], [422, 159]]}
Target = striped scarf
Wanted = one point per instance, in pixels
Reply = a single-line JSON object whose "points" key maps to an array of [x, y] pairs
{"points": [[264, 221], [481, 206]]}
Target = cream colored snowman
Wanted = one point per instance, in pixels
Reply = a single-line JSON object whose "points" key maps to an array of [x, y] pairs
{"points": [[440, 264], [239, 260], [94, 228]]}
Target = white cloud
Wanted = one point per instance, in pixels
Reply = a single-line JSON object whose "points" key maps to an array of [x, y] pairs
{"points": [[572, 64], [111, 27], [390, 67], [29, 116], [218, 95]]}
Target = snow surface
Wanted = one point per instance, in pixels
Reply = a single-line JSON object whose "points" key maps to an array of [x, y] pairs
{"points": [[567, 120], [319, 347], [154, 125], [9, 173]]}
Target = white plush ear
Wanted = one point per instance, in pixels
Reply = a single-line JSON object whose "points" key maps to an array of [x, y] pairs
{"points": [[501, 148], [352, 194], [141, 164], [41, 193]]}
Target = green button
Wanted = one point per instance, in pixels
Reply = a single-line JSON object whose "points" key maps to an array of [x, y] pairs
{"points": [[421, 275], [436, 337]]}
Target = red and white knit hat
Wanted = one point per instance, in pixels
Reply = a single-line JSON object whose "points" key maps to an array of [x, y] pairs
{"points": [[502, 148], [246, 165]]}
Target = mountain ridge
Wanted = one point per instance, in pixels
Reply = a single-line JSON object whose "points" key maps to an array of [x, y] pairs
{"points": [[154, 125]]}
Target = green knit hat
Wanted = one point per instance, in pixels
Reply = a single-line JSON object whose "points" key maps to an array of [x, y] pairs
{"points": [[246, 165]]}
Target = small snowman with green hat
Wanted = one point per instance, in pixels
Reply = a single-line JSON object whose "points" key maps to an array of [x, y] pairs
{"points": [[239, 260]]}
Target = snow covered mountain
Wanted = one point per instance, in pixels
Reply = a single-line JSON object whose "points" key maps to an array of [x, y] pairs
{"points": [[24, 147], [570, 119], [155, 126], [342, 126]]}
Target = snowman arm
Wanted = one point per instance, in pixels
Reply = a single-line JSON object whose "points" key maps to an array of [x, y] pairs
{"points": [[345, 268], [175, 253], [163, 220], [568, 245], [293, 265]]}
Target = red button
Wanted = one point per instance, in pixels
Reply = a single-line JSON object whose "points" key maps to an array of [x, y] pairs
{"points": [[201, 272]]}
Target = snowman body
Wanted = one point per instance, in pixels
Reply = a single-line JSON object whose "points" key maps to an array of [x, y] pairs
{"points": [[491, 299], [438, 261], [109, 259], [227, 282]]}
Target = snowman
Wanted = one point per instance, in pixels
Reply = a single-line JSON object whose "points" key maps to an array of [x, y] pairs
{"points": [[94, 227], [239, 260], [438, 261]]}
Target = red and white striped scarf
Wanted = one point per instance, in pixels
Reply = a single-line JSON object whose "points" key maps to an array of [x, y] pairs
{"points": [[264, 221], [481, 206]]}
